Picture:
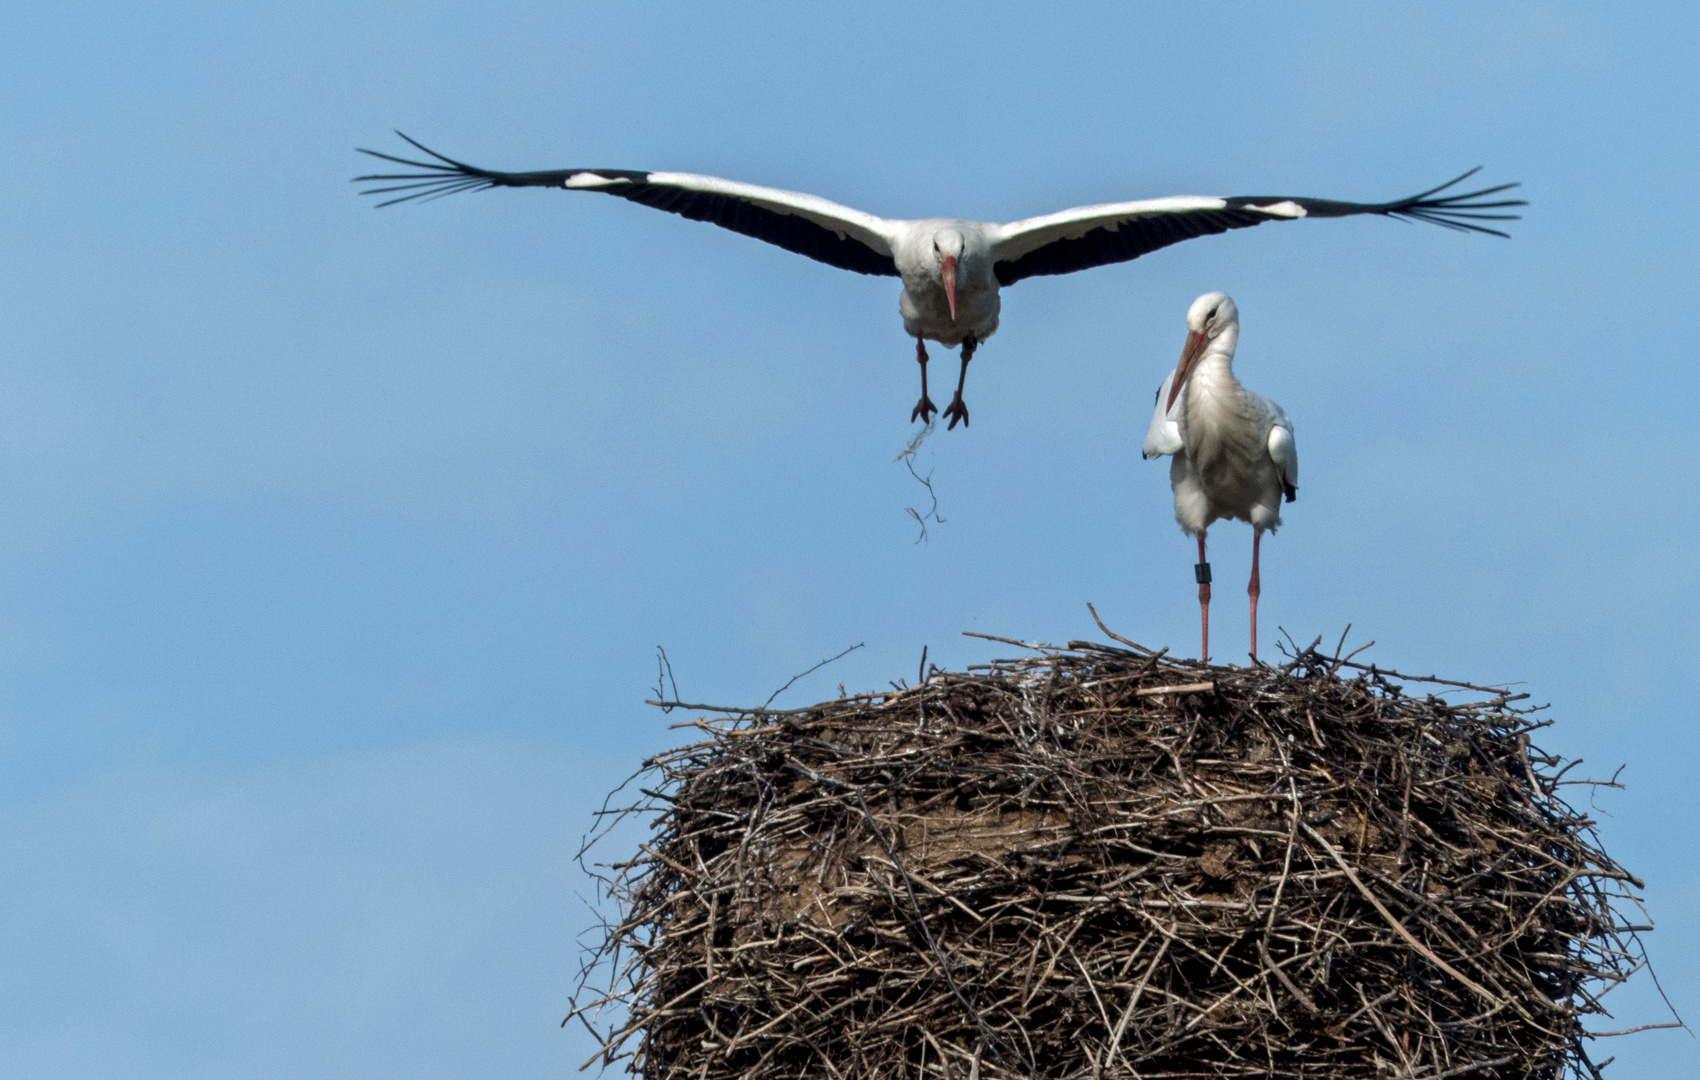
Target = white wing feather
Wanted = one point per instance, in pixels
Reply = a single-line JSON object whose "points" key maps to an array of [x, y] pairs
{"points": [[1013, 240], [1282, 449], [876, 232], [1164, 435]]}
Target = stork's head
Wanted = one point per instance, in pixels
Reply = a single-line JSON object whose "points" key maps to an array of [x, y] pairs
{"points": [[1209, 317], [947, 249], [1212, 313]]}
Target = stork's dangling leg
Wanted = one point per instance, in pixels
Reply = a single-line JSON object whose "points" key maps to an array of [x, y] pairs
{"points": [[1253, 589], [957, 410], [924, 408], [1202, 573]]}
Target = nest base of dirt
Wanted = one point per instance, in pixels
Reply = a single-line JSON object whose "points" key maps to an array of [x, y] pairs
{"points": [[1096, 862]]}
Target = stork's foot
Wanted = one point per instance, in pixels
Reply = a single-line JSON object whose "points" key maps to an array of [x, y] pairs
{"points": [[924, 410], [957, 411]]}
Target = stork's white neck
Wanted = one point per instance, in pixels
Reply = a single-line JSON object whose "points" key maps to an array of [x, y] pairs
{"points": [[1224, 343], [1212, 391]]}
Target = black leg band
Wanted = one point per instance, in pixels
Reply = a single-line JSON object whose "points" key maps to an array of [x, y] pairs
{"points": [[1202, 572]]}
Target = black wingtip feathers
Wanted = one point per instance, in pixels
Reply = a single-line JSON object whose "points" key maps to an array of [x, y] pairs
{"points": [[436, 181], [1460, 211]]}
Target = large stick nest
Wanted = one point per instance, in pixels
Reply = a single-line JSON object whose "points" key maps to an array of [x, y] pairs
{"points": [[1097, 862]]}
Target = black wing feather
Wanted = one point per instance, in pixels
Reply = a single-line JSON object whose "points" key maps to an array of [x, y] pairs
{"points": [[1452, 211], [1140, 236], [1134, 238], [446, 176], [788, 231]]}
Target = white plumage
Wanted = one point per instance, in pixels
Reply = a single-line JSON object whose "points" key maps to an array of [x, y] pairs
{"points": [[1234, 454], [952, 269]]}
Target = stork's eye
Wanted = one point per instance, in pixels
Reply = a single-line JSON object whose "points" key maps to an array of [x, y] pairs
{"points": [[1212, 314]]}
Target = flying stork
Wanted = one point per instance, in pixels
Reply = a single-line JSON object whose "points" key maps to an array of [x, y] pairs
{"points": [[951, 269], [1234, 451]]}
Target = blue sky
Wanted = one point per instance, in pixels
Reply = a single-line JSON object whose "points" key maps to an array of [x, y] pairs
{"points": [[335, 545]]}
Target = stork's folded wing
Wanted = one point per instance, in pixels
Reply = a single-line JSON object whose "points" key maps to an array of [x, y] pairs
{"points": [[1164, 435]]}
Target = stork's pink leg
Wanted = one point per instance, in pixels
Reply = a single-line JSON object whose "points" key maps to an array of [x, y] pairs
{"points": [[958, 410], [924, 408], [1253, 589], [1202, 573]]}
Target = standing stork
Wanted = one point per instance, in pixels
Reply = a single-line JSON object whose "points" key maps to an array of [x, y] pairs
{"points": [[951, 269], [1234, 451]]}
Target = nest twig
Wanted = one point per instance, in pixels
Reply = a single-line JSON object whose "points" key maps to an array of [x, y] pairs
{"points": [[1094, 862]]}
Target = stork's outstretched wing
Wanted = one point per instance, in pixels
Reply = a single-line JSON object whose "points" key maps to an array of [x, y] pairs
{"points": [[1089, 236], [808, 225]]}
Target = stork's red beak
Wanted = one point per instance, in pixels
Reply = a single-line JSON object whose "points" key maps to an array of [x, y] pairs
{"points": [[1190, 353], [948, 266]]}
